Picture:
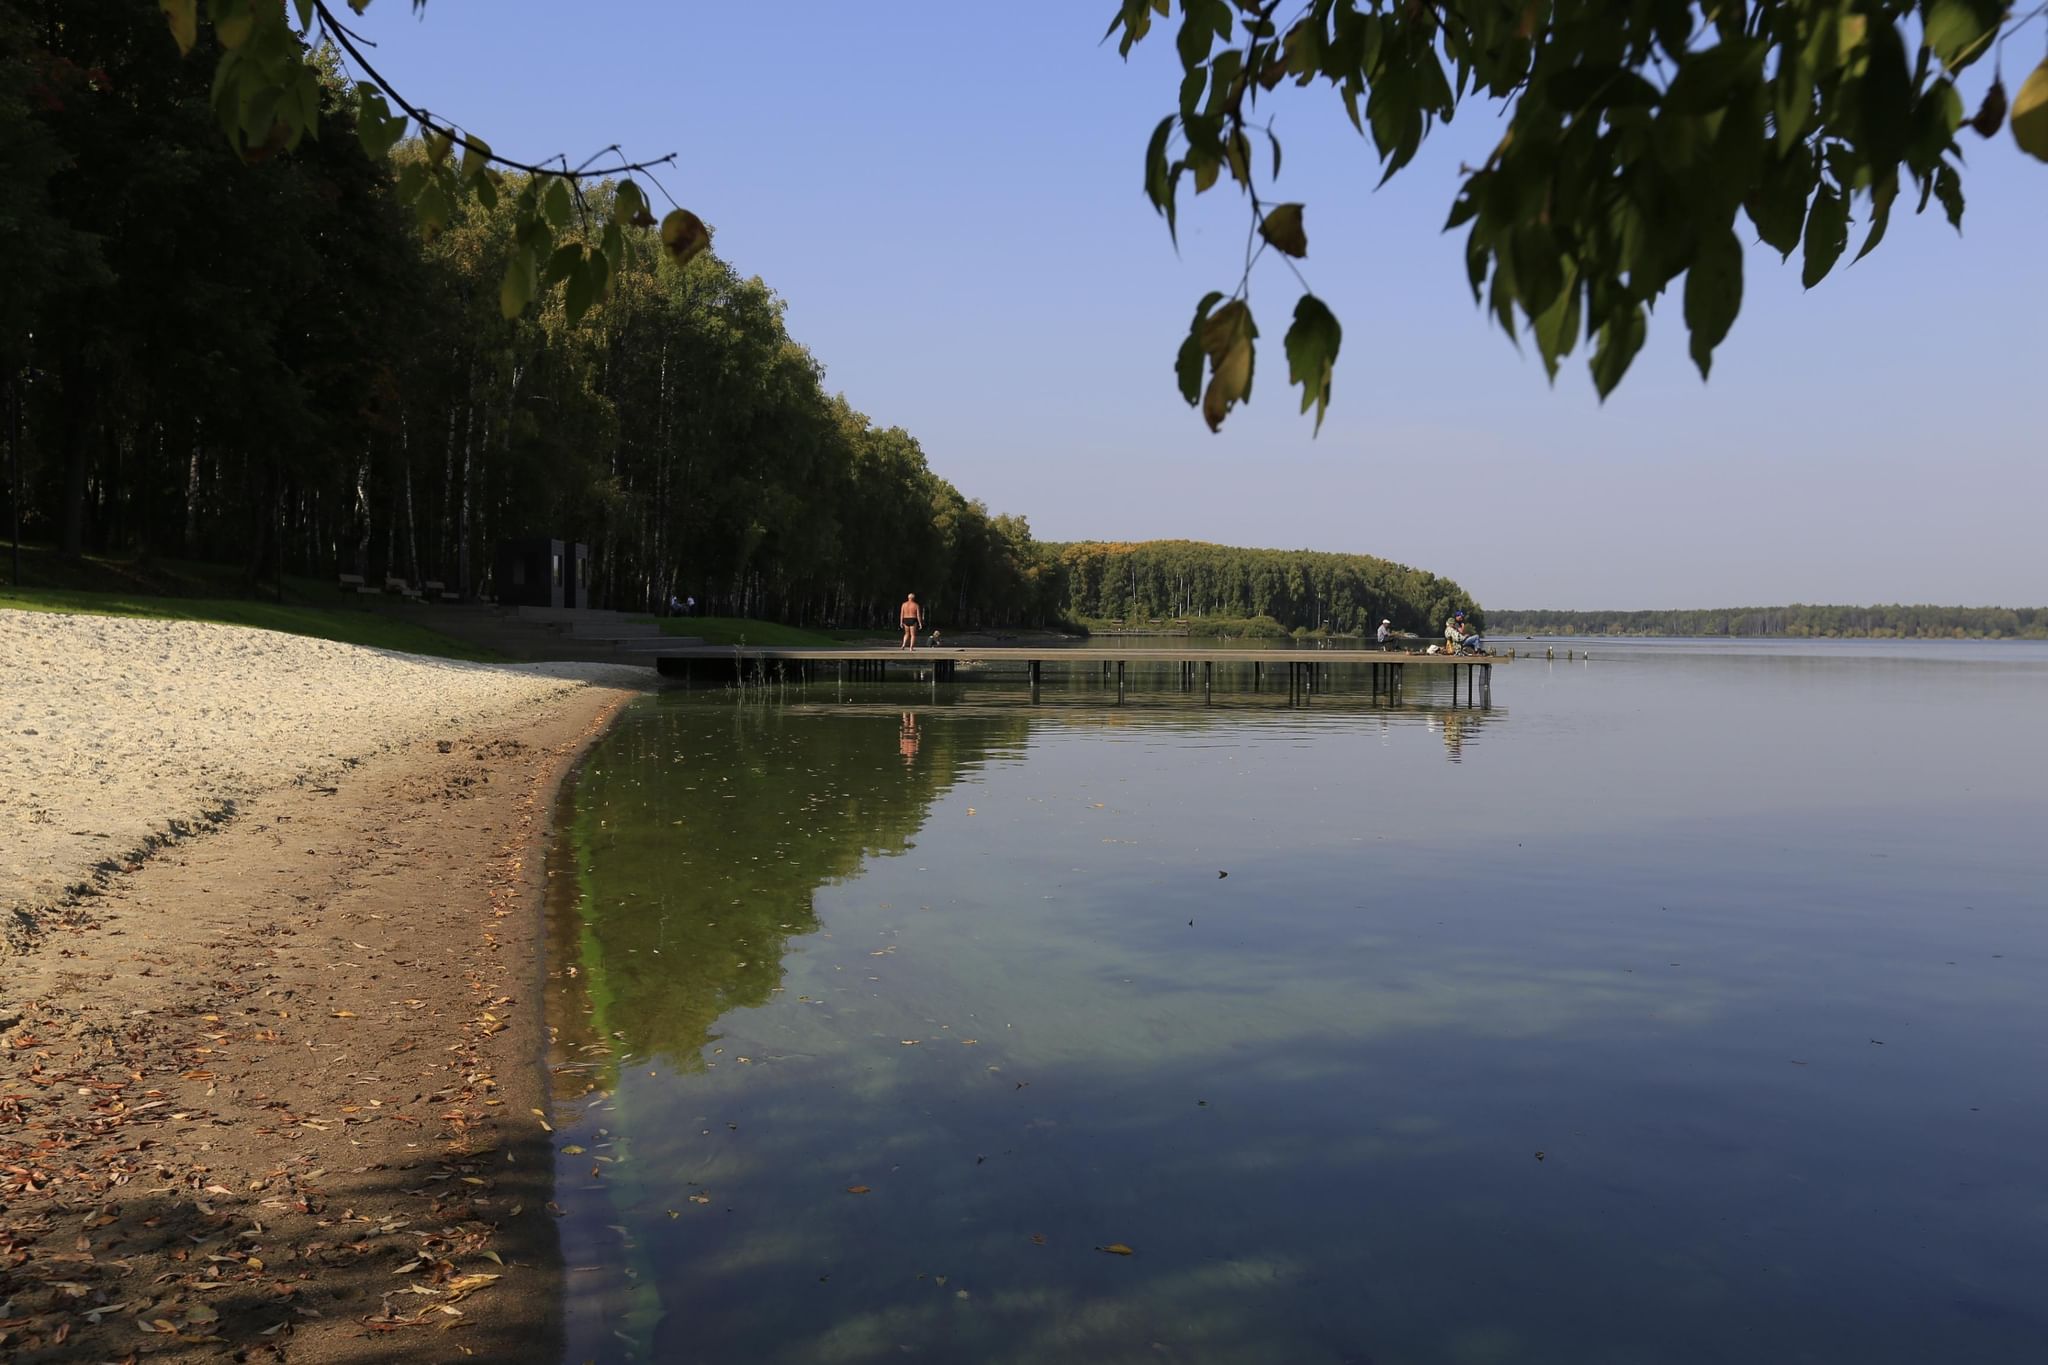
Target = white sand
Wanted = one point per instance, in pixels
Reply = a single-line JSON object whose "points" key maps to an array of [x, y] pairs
{"points": [[114, 732]]}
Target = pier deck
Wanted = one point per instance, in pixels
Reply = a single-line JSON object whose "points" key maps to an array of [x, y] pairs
{"points": [[1304, 669]]}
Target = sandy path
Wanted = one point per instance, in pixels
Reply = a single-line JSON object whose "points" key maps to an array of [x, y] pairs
{"points": [[272, 1093], [115, 733]]}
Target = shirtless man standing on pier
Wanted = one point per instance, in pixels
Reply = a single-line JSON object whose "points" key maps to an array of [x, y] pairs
{"points": [[911, 616]]}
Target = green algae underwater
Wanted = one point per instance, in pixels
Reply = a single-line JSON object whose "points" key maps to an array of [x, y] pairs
{"points": [[1682, 1009]]}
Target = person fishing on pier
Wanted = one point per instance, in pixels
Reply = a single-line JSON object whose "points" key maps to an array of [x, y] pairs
{"points": [[911, 617], [1458, 639], [1386, 632]]}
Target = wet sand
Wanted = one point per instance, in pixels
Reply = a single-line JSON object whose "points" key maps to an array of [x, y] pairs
{"points": [[271, 1090]]}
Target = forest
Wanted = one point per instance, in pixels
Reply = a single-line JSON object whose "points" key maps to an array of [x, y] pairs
{"points": [[1797, 622], [1185, 580], [276, 364], [272, 364]]}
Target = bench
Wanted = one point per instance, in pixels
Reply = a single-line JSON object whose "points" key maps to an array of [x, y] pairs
{"points": [[401, 587], [351, 582]]}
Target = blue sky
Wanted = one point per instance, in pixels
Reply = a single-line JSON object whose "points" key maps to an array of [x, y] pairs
{"points": [[948, 197]]}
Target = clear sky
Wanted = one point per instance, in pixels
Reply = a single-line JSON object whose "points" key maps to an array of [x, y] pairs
{"points": [[948, 197]]}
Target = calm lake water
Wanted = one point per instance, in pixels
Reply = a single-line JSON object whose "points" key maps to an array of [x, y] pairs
{"points": [[1687, 1005]]}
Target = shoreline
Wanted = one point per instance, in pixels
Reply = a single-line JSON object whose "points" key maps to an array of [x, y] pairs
{"points": [[275, 1091]]}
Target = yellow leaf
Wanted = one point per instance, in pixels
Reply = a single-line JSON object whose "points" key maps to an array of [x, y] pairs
{"points": [[684, 234], [858, 1189], [2030, 114], [183, 17], [1117, 1249], [344, 1014], [1282, 227], [572, 1150]]}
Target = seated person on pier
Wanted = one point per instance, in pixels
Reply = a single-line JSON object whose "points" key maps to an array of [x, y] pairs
{"points": [[1459, 640], [1386, 633]]}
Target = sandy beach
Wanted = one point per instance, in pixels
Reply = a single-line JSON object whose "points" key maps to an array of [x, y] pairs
{"points": [[270, 1006]]}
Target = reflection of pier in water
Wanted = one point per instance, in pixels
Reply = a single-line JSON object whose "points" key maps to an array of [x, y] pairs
{"points": [[1300, 673]]}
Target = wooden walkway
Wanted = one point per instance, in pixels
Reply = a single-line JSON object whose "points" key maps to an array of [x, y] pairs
{"points": [[1306, 670]]}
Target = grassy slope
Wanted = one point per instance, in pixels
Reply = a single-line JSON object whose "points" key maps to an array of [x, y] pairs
{"points": [[168, 590]]}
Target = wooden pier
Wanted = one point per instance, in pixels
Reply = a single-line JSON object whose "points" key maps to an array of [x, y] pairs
{"points": [[1306, 671]]}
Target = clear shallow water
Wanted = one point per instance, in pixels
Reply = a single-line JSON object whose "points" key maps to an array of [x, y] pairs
{"points": [[1749, 945]]}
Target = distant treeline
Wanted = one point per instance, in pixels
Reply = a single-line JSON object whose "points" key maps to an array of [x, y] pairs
{"points": [[1797, 621], [1172, 580]]}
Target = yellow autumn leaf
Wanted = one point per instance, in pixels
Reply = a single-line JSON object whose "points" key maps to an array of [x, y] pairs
{"points": [[183, 17], [2030, 114], [1117, 1249]]}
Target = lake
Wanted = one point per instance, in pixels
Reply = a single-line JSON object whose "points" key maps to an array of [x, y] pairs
{"points": [[1688, 1004]]}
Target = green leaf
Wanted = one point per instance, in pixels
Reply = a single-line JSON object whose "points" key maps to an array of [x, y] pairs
{"points": [[1948, 188], [476, 158], [1282, 228], [232, 22], [183, 18], [1959, 31], [556, 203], [1827, 232], [1227, 336], [564, 260], [629, 204], [1158, 183], [1620, 337], [2029, 119], [1706, 78], [1205, 21], [1778, 207], [1882, 196], [515, 291], [376, 128], [1187, 366], [1312, 344], [581, 287], [1713, 294], [433, 208], [1557, 327]]}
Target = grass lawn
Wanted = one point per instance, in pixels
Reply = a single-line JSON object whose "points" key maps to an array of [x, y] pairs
{"points": [[349, 625]]}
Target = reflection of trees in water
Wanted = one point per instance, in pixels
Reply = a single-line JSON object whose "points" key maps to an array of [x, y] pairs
{"points": [[698, 838]]}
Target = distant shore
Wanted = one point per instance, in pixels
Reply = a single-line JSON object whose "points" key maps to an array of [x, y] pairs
{"points": [[294, 1018]]}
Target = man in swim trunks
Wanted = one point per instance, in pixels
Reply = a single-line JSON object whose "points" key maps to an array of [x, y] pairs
{"points": [[911, 617]]}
